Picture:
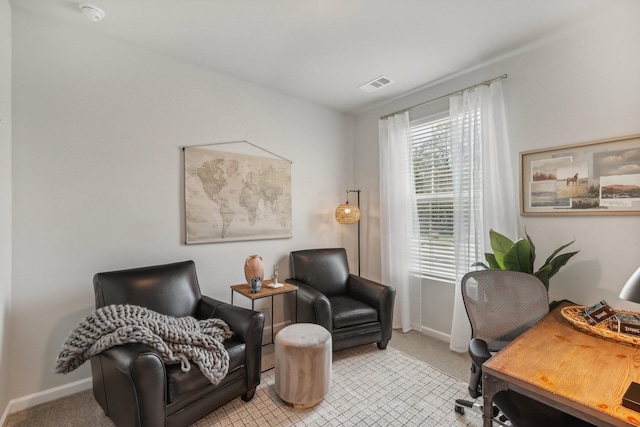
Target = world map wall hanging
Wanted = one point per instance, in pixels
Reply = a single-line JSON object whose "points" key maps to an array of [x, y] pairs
{"points": [[232, 196]]}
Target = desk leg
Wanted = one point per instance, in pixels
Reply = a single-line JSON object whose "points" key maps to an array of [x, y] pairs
{"points": [[490, 386]]}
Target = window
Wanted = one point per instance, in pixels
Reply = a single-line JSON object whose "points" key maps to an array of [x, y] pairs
{"points": [[433, 255]]}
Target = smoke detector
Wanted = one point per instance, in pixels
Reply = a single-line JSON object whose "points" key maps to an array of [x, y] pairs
{"points": [[91, 12], [375, 84]]}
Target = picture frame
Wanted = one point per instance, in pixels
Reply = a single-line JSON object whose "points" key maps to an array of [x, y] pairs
{"points": [[592, 178]]}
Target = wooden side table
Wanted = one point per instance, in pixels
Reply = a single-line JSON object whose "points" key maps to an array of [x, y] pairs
{"points": [[245, 290]]}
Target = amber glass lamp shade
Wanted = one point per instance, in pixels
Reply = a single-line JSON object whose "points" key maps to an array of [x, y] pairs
{"points": [[347, 214]]}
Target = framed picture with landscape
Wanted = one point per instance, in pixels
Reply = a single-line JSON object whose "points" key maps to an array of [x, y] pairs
{"points": [[592, 178]]}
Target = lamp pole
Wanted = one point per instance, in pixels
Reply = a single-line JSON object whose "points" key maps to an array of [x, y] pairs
{"points": [[357, 191]]}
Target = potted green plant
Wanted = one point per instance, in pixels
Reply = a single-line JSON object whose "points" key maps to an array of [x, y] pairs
{"points": [[521, 255]]}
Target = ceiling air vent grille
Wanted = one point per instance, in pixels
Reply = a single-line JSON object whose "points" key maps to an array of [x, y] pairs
{"points": [[376, 84]]}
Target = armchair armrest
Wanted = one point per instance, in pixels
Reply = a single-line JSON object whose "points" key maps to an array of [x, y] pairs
{"points": [[246, 325], [377, 295], [313, 306], [136, 375]]}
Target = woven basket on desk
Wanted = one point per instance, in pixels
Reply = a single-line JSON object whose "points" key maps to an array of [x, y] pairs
{"points": [[573, 314]]}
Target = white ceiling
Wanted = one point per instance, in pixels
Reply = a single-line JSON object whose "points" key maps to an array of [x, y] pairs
{"points": [[322, 50]]}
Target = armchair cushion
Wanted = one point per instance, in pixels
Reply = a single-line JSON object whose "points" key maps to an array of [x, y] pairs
{"points": [[348, 311], [181, 383]]}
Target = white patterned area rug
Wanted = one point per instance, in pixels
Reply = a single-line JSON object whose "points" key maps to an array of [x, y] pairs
{"points": [[369, 387]]}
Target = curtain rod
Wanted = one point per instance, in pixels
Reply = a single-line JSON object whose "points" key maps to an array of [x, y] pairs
{"points": [[486, 82]]}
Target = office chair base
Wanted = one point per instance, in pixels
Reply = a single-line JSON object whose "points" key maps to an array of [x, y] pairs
{"points": [[461, 404]]}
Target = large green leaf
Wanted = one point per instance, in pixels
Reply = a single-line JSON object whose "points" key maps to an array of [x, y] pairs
{"points": [[491, 260], [480, 264], [559, 261], [548, 261], [543, 275], [518, 257], [533, 249], [500, 245]]}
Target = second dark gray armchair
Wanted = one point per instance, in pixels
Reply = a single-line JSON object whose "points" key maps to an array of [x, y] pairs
{"points": [[355, 310]]}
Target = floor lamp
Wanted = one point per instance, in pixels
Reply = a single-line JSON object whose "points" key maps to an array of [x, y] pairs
{"points": [[350, 214]]}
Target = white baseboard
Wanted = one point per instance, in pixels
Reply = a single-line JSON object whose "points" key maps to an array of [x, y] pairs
{"points": [[266, 333], [434, 333], [5, 415], [44, 396]]}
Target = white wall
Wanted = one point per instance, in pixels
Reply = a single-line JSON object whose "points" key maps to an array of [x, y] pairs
{"points": [[97, 131], [5, 199], [578, 86], [98, 126]]}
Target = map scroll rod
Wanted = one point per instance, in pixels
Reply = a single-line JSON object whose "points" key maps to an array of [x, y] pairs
{"points": [[239, 142]]}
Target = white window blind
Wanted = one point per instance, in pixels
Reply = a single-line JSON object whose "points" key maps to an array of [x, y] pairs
{"points": [[433, 255]]}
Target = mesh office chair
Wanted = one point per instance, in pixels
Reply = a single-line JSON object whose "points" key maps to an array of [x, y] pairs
{"points": [[500, 306]]}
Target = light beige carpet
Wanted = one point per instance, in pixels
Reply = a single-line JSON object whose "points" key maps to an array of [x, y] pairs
{"points": [[369, 387], [434, 352]]}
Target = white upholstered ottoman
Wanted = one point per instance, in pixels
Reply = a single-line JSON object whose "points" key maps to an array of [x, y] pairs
{"points": [[303, 364]]}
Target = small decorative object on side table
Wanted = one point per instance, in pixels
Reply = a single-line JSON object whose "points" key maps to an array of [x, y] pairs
{"points": [[253, 267], [274, 278], [256, 284]]}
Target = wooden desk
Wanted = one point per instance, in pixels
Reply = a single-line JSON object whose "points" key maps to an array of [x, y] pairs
{"points": [[265, 291], [573, 371]]}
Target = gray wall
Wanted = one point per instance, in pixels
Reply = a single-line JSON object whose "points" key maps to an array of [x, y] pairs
{"points": [[5, 198], [576, 86], [98, 130]]}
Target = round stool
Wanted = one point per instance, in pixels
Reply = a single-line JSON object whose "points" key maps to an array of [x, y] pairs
{"points": [[303, 364]]}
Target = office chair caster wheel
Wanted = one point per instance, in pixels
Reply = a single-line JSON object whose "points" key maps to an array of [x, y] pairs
{"points": [[459, 409]]}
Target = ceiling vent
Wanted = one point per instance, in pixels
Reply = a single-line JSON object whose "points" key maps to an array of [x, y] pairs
{"points": [[376, 84]]}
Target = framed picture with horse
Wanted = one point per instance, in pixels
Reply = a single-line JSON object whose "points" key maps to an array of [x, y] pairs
{"points": [[592, 178]]}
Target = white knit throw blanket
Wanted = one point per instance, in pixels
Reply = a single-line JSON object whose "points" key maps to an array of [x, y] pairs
{"points": [[177, 340]]}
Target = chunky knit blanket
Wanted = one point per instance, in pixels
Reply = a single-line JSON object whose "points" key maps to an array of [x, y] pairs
{"points": [[177, 340]]}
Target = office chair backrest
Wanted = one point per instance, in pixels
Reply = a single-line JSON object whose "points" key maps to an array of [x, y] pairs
{"points": [[502, 304], [170, 289], [326, 270]]}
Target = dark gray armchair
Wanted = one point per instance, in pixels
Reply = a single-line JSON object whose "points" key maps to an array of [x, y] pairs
{"points": [[131, 382], [355, 310]]}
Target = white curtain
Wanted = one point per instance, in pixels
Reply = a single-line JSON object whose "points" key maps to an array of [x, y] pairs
{"points": [[398, 214], [480, 155]]}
